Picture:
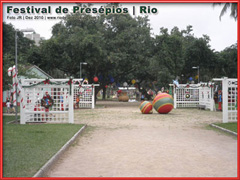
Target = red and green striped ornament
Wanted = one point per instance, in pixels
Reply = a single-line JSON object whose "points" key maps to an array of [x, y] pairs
{"points": [[146, 107], [163, 103]]}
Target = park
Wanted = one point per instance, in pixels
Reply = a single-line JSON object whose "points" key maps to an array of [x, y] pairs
{"points": [[141, 105]]}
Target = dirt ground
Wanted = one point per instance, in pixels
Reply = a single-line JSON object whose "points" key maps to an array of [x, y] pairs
{"points": [[121, 142]]}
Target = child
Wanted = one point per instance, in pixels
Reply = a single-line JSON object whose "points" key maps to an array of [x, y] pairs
{"points": [[8, 106], [220, 100], [12, 107], [77, 102]]}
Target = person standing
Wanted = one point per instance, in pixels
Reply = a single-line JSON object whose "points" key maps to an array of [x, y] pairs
{"points": [[8, 106], [12, 107], [220, 100], [61, 101], [77, 102]]}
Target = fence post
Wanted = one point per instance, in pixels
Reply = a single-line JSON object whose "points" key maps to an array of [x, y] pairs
{"points": [[225, 99], [22, 109], [175, 97], [93, 95], [70, 102], [212, 102]]}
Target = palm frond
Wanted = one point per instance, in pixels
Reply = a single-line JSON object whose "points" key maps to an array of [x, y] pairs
{"points": [[224, 10], [233, 8], [234, 12]]}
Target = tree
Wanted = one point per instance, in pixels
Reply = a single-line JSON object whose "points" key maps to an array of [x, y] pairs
{"points": [[175, 54], [168, 60], [128, 46], [227, 62], [231, 6], [119, 48], [199, 54], [24, 45], [116, 46]]}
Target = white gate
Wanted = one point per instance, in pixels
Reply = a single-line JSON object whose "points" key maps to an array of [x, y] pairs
{"points": [[229, 98], [86, 95], [62, 94], [186, 96], [34, 93], [206, 96], [194, 95]]}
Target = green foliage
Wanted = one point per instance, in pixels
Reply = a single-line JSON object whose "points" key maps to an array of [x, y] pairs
{"points": [[199, 54], [168, 56], [232, 126], [115, 45], [26, 148], [233, 9], [122, 47], [227, 62], [129, 46], [24, 45]]}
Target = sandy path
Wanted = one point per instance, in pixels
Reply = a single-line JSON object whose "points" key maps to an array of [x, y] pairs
{"points": [[122, 142]]}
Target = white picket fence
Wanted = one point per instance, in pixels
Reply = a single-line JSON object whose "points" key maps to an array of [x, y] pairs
{"points": [[229, 99], [62, 91], [197, 95], [32, 93], [206, 96], [193, 95], [86, 93]]}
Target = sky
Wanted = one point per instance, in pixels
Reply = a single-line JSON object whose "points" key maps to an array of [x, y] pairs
{"points": [[202, 16]]}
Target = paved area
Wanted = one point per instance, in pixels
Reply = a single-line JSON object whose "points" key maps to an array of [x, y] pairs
{"points": [[122, 142]]}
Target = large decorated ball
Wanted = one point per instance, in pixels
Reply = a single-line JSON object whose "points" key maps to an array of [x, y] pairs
{"points": [[146, 107], [163, 103]]}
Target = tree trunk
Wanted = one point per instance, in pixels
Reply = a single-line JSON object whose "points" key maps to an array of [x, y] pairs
{"points": [[104, 93]]}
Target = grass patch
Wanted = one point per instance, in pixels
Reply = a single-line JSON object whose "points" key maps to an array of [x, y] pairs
{"points": [[5, 109], [26, 148], [219, 131], [232, 126]]}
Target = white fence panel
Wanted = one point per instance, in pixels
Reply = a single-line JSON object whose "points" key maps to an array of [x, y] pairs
{"points": [[63, 92], [229, 99], [206, 96], [33, 93], [86, 94], [194, 95], [186, 96]]}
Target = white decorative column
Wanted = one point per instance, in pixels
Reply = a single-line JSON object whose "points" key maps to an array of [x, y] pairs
{"points": [[93, 96], [225, 99], [71, 112]]}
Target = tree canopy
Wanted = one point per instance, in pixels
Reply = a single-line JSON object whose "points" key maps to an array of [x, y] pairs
{"points": [[23, 44], [119, 48]]}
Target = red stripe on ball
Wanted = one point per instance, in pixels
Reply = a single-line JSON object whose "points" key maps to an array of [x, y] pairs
{"points": [[164, 109]]}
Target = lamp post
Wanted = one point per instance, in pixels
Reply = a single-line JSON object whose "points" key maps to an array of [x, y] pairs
{"points": [[16, 64], [84, 63], [198, 71]]}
